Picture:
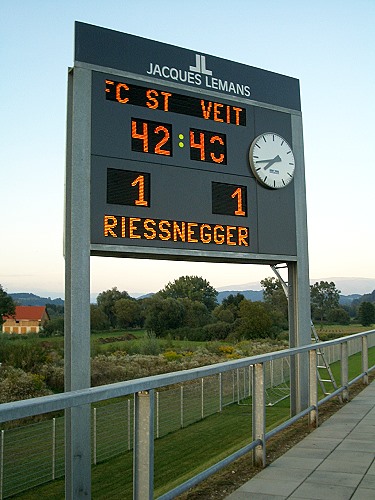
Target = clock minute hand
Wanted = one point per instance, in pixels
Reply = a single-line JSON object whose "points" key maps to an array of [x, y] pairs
{"points": [[270, 162]]}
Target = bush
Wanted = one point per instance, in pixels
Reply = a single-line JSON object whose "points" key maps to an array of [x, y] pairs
{"points": [[53, 327], [217, 331], [28, 357], [339, 316], [15, 384], [255, 321], [186, 333]]}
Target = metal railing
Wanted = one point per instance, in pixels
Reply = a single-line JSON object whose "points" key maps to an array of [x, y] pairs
{"points": [[145, 405]]}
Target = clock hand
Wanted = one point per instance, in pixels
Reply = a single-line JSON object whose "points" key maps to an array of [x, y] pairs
{"points": [[271, 162]]}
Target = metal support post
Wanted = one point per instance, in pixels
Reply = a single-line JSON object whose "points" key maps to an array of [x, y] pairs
{"points": [[313, 392], [298, 279], [299, 335], [259, 415], [344, 371], [143, 452], [365, 360], [77, 284]]}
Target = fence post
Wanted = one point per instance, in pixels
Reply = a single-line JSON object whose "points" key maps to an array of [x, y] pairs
{"points": [[313, 390], [365, 359], [259, 415], [157, 414], [238, 386], [220, 393], [202, 400], [53, 448], [129, 426], [2, 465], [182, 406], [94, 425], [233, 390], [344, 371], [143, 452]]}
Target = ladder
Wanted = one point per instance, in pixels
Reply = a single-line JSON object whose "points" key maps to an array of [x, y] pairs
{"points": [[325, 376]]}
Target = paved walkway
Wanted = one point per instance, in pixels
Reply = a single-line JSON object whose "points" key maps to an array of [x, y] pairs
{"points": [[335, 461]]}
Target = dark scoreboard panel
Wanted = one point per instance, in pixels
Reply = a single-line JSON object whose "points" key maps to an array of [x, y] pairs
{"points": [[169, 152], [170, 169]]}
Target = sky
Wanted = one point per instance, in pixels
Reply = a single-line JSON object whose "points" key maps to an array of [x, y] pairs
{"points": [[329, 45]]}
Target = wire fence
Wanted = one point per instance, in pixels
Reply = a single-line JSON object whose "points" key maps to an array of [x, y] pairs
{"points": [[31, 455]]}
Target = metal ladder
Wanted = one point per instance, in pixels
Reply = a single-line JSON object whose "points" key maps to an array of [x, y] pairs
{"points": [[324, 372]]}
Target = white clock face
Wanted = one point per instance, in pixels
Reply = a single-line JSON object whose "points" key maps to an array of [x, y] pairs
{"points": [[272, 160]]}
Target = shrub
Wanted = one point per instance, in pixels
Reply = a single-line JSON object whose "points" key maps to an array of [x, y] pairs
{"points": [[15, 384], [186, 333], [27, 356], [53, 327], [217, 331]]}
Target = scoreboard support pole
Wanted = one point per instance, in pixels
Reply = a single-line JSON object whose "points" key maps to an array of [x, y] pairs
{"points": [[299, 282], [77, 284]]}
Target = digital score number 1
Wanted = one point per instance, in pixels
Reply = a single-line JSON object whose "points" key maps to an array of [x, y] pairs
{"points": [[229, 199], [127, 187]]}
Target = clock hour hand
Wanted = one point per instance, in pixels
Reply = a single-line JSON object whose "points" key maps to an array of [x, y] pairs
{"points": [[270, 162]]}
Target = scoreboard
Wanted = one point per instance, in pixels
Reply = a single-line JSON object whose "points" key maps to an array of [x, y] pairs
{"points": [[171, 135]]}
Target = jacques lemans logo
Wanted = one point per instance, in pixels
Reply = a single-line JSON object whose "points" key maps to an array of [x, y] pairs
{"points": [[198, 75], [200, 65]]}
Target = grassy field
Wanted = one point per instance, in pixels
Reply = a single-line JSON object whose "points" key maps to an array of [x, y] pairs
{"points": [[183, 453]]}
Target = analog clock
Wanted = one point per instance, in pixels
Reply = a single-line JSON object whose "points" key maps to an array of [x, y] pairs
{"points": [[272, 160]]}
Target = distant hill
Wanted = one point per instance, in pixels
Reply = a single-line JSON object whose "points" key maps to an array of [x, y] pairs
{"points": [[346, 300], [253, 295], [347, 286], [30, 299]]}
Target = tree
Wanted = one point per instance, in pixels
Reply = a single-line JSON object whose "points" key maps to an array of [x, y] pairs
{"points": [[128, 313], [366, 313], [233, 300], [54, 326], [7, 305], [106, 302], [255, 321], [276, 300], [196, 313], [55, 310], [338, 315], [193, 288], [98, 319], [163, 314], [324, 297]]}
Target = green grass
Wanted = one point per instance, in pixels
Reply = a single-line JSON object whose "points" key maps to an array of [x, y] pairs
{"points": [[203, 444]]}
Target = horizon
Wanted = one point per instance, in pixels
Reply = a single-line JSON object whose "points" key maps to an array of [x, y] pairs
{"points": [[349, 282]]}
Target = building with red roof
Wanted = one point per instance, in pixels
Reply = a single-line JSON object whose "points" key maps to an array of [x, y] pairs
{"points": [[26, 319]]}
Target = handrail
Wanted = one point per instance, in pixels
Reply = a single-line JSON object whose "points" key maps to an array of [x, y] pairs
{"points": [[45, 404]]}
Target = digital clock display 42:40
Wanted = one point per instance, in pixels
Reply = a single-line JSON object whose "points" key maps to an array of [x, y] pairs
{"points": [[156, 138]]}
